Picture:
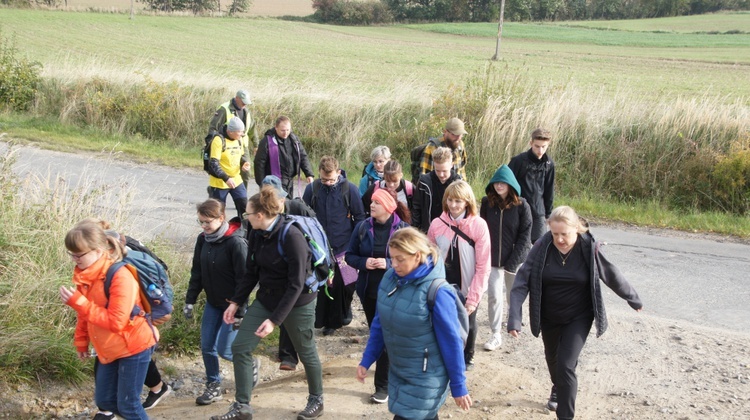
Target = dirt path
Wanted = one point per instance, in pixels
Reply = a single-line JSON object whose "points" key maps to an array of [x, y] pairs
{"points": [[685, 357]]}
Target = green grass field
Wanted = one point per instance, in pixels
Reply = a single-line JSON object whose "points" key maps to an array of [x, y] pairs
{"points": [[381, 63]]}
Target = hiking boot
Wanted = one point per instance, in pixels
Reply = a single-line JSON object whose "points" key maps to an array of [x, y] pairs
{"points": [[328, 331], [552, 402], [102, 416], [256, 369], [210, 395], [237, 411], [288, 366], [495, 342], [314, 408], [153, 398], [380, 396]]}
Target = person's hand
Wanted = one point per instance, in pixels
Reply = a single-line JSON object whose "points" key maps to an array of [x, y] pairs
{"points": [[361, 373], [470, 309], [639, 309], [381, 263], [265, 328], [230, 183], [464, 402], [371, 264], [229, 313], [83, 355], [66, 293], [513, 333], [246, 166], [188, 311], [310, 180]]}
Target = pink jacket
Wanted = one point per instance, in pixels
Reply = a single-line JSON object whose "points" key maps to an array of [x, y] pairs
{"points": [[475, 262]]}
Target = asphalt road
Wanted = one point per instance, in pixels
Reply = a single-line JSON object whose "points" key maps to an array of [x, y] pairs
{"points": [[700, 279]]}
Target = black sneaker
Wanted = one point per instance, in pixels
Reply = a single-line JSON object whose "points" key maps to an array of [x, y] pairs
{"points": [[102, 416], [552, 402], [153, 398], [210, 395], [256, 369], [237, 411], [380, 396], [470, 363], [314, 408], [328, 331]]}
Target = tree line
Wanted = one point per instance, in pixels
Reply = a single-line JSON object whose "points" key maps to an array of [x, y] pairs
{"points": [[356, 12]]}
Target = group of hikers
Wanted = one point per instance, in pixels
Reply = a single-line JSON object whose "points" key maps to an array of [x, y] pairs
{"points": [[418, 254]]}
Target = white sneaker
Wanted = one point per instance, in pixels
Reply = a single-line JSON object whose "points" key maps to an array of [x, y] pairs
{"points": [[495, 342]]}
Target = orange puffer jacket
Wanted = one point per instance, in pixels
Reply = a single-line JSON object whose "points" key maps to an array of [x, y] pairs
{"points": [[109, 327]]}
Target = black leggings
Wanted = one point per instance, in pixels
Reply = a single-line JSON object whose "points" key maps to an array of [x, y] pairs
{"points": [[381, 368], [562, 346]]}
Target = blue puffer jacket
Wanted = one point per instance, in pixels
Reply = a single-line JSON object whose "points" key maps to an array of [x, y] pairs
{"points": [[419, 370]]}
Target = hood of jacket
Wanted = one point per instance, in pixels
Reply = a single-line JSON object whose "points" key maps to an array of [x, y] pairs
{"points": [[504, 174], [371, 172]]}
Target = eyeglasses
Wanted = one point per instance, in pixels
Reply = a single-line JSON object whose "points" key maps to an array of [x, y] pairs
{"points": [[78, 256], [204, 222], [246, 215]]}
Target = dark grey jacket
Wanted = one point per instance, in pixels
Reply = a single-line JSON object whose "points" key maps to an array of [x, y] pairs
{"points": [[529, 282]]}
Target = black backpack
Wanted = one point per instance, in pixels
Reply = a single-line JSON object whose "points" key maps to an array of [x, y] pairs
{"points": [[416, 159], [207, 151]]}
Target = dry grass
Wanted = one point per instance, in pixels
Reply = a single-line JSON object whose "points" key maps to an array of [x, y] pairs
{"points": [[270, 8]]}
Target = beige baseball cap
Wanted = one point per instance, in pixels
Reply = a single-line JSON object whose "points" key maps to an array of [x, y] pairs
{"points": [[455, 127]]}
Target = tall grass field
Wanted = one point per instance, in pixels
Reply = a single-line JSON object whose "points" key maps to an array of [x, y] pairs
{"points": [[648, 118]]}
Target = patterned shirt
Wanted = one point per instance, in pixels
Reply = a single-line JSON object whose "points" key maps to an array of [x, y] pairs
{"points": [[459, 157]]}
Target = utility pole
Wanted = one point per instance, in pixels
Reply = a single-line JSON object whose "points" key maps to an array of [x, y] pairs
{"points": [[499, 31]]}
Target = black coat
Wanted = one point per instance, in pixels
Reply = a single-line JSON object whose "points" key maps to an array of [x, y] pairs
{"points": [[529, 282], [537, 180], [218, 267], [422, 201], [280, 279], [292, 160], [510, 233]]}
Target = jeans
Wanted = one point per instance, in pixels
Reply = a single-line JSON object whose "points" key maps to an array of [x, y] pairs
{"points": [[495, 302], [299, 324], [381, 368], [562, 346], [238, 193], [216, 340], [118, 385]]}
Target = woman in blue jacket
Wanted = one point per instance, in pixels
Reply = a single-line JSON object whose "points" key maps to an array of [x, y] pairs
{"points": [[424, 344], [368, 253]]}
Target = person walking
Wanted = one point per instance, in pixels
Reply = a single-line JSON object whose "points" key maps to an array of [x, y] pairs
{"points": [[123, 342], [393, 180], [424, 344], [464, 243], [453, 135], [238, 107], [508, 218], [282, 298], [227, 159], [373, 172], [368, 253], [281, 153], [427, 204], [535, 172], [561, 274], [218, 267], [338, 207]]}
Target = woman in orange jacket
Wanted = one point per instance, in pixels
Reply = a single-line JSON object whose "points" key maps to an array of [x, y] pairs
{"points": [[116, 327]]}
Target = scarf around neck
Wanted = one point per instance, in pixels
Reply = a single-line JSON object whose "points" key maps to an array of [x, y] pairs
{"points": [[213, 237]]}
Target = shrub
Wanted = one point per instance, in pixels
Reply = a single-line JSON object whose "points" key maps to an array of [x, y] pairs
{"points": [[347, 12], [19, 77]]}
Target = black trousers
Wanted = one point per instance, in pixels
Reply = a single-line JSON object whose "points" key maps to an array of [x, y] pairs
{"points": [[471, 339], [286, 348], [331, 313], [382, 365], [562, 346]]}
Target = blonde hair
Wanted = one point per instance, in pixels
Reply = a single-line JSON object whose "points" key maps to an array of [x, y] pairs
{"points": [[328, 164], [267, 202], [88, 235], [442, 155], [569, 217], [461, 190], [379, 151], [411, 241]]}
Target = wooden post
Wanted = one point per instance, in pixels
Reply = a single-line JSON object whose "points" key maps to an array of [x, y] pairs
{"points": [[499, 31]]}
